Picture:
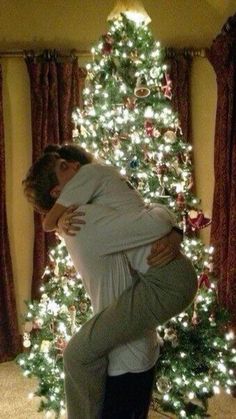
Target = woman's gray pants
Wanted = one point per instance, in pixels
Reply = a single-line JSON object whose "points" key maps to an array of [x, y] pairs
{"points": [[154, 298]]}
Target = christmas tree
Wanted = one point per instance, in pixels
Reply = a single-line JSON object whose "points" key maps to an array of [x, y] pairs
{"points": [[128, 121]]}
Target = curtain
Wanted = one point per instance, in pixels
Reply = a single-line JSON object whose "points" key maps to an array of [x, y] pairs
{"points": [[222, 56], [180, 72], [9, 334], [55, 88]]}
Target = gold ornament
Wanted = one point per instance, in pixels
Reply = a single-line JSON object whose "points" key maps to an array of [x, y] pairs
{"points": [[141, 90], [163, 385]]}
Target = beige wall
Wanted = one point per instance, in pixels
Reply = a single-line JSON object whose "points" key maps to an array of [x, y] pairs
{"points": [[18, 159], [203, 94], [78, 24]]}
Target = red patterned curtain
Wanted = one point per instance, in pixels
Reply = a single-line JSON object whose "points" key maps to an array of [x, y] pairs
{"points": [[222, 56], [180, 70], [55, 90], [9, 334]]}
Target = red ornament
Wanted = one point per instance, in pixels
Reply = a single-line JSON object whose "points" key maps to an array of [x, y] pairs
{"points": [[167, 89], [180, 200], [108, 44], [149, 128], [204, 279], [161, 169], [197, 221]]}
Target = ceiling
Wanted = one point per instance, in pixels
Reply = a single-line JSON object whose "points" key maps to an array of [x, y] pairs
{"points": [[79, 23]]}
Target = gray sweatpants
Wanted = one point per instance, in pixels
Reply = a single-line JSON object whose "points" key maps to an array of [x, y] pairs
{"points": [[153, 299]]}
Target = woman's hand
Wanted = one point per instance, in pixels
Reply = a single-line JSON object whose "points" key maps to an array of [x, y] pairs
{"points": [[166, 249], [69, 223]]}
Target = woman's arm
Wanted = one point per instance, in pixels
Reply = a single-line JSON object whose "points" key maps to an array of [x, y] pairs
{"points": [[51, 218], [70, 221], [166, 249]]}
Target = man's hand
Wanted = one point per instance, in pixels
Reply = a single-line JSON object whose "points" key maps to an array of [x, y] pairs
{"points": [[69, 222], [166, 249]]}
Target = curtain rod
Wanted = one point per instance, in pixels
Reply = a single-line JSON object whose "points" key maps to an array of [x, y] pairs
{"points": [[22, 53], [170, 52]]}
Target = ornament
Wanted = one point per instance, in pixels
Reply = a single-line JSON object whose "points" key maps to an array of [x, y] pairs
{"points": [[107, 45], [124, 136], [75, 133], [167, 89], [190, 182], [184, 317], [171, 336], [72, 311], [134, 163], [170, 137], [37, 323], [197, 220], [64, 309], [28, 326], [163, 385], [135, 181], [45, 346], [149, 127], [156, 133], [83, 306], [148, 156], [60, 344], [180, 200], [155, 72], [203, 280], [134, 57], [212, 320], [130, 102], [89, 76], [115, 140], [105, 145], [195, 318], [161, 168], [141, 90], [149, 113], [26, 340]]}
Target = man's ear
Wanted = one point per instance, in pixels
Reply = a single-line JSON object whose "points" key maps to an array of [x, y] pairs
{"points": [[55, 191], [76, 165]]}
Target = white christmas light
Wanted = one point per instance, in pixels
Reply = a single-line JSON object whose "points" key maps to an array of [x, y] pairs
{"points": [[216, 389], [30, 396]]}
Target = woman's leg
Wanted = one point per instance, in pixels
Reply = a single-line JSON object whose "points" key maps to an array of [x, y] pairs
{"points": [[159, 295]]}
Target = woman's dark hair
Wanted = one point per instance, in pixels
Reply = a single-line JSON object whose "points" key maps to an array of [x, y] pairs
{"points": [[70, 152], [39, 181], [41, 177]]}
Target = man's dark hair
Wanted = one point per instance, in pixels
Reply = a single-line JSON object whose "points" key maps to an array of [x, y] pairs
{"points": [[70, 152]]}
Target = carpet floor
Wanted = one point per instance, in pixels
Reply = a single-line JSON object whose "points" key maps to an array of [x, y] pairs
{"points": [[15, 403]]}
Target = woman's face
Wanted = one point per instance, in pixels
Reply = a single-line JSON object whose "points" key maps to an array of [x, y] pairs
{"points": [[65, 170]]}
